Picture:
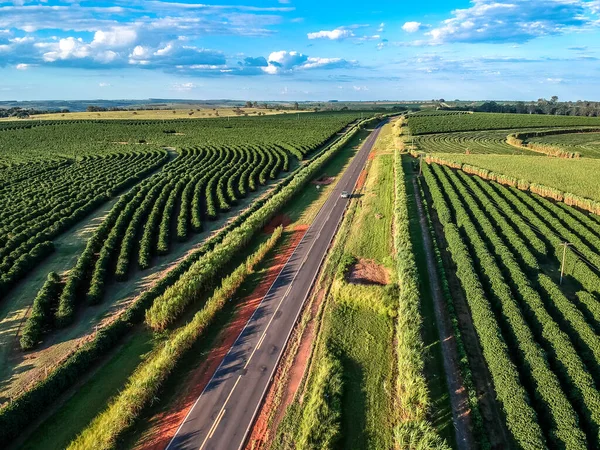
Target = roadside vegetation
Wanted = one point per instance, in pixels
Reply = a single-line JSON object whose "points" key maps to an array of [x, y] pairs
{"points": [[379, 401], [117, 330]]}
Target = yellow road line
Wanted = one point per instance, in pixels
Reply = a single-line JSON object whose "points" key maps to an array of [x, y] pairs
{"points": [[219, 416]]}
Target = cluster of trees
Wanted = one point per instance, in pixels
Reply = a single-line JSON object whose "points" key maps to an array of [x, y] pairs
{"points": [[250, 104], [24, 113], [541, 106]]}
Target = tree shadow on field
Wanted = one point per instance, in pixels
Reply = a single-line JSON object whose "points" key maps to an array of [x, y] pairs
{"points": [[354, 405]]}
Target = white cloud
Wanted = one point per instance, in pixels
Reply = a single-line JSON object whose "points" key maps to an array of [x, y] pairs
{"points": [[286, 62], [103, 85], [314, 63], [516, 21], [282, 61], [381, 27], [22, 40], [360, 88], [334, 35], [140, 53], [23, 66], [411, 27], [183, 87], [67, 48], [117, 37], [368, 38]]}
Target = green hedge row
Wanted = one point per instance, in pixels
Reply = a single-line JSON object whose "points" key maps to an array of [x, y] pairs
{"points": [[563, 358], [516, 242], [412, 394], [573, 267], [531, 237], [41, 312], [144, 384]]}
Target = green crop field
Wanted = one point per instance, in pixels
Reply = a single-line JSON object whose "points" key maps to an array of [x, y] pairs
{"points": [[577, 176], [472, 142], [427, 124], [539, 339], [587, 144], [169, 182], [467, 281]]}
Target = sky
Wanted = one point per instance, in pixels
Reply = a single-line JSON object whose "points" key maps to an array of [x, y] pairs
{"points": [[287, 50]]}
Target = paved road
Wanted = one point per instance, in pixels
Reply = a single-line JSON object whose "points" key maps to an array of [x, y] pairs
{"points": [[223, 414]]}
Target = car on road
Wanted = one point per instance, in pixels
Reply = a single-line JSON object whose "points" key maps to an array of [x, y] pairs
{"points": [[345, 194]]}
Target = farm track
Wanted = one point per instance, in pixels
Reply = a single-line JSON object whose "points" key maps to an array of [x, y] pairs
{"points": [[458, 394]]}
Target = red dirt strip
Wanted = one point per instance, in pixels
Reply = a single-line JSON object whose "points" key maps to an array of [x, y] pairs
{"points": [[164, 425]]}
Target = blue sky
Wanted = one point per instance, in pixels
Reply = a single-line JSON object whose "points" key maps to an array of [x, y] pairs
{"points": [[300, 50]]}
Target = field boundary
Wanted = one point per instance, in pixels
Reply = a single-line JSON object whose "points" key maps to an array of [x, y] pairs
{"points": [[568, 198]]}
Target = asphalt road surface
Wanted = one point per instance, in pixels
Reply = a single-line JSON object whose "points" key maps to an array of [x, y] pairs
{"points": [[222, 416]]}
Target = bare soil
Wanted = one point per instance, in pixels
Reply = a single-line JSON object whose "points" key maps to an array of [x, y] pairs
{"points": [[324, 180], [279, 220], [361, 180], [367, 271]]}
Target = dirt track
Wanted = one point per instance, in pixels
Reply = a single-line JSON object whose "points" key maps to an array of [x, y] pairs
{"points": [[458, 394]]}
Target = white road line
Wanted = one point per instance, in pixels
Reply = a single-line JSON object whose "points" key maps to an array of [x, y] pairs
{"points": [[222, 411]]}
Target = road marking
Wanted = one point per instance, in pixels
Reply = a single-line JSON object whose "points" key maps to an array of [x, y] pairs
{"points": [[216, 424], [219, 416], [260, 341], [299, 245]]}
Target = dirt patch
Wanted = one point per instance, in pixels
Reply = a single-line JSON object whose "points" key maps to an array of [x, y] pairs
{"points": [[361, 180], [163, 426], [279, 220], [367, 271], [324, 180], [371, 156]]}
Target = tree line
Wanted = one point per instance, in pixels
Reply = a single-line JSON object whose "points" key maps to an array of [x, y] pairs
{"points": [[541, 106]]}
